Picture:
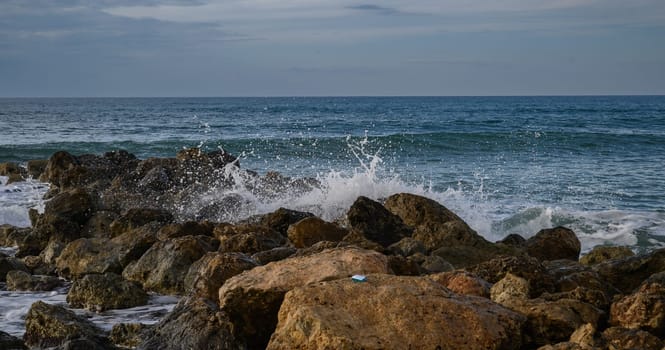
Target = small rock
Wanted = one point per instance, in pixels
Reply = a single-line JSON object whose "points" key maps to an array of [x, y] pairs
{"points": [[23, 281], [127, 335], [275, 254], [311, 230], [623, 338], [248, 239], [509, 289], [553, 244], [105, 292], [434, 264], [526, 267], [462, 282]]}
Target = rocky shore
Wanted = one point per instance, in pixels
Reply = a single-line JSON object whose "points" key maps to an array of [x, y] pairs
{"points": [[120, 228]]}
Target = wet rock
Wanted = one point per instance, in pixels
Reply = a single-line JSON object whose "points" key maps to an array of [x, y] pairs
{"points": [[127, 335], [87, 256], [376, 223], [99, 225], [9, 342], [51, 325], [195, 323], [105, 292], [248, 239], [643, 309], [208, 274], [346, 315], [275, 254], [510, 289], [163, 267], [626, 274], [281, 219], [311, 230], [137, 217], [623, 338], [57, 167], [526, 267], [12, 236], [462, 282], [252, 298], [52, 251], [513, 239], [8, 264], [36, 167], [9, 168], [189, 228], [23, 281], [407, 246], [75, 205], [553, 244], [13, 178], [602, 253]]}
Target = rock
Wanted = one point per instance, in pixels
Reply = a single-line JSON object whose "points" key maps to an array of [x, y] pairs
{"points": [[420, 314], [510, 289], [137, 217], [127, 335], [590, 296], [8, 264], [281, 219], [189, 228], [9, 342], [22, 281], [402, 266], [626, 274], [252, 298], [51, 325], [358, 239], [9, 168], [573, 276], [12, 236], [623, 338], [513, 239], [376, 223], [86, 256], [311, 230], [194, 323], [601, 253], [407, 246], [644, 309], [52, 251], [75, 205], [208, 274], [99, 225], [36, 266], [163, 267], [553, 244], [57, 167], [248, 239], [563, 346], [462, 282], [584, 336], [105, 292], [434, 264], [36, 167], [12, 178], [526, 267], [275, 254]]}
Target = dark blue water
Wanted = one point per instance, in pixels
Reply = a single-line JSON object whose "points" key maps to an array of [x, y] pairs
{"points": [[506, 164]]}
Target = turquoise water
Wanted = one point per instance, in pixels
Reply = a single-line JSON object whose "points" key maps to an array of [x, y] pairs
{"points": [[505, 164]]}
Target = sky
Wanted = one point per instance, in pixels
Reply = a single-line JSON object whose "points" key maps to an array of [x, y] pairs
{"points": [[136, 48]]}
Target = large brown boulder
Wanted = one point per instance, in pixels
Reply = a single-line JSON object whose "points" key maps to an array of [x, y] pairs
{"points": [[643, 309], [392, 312], [163, 267], [104, 292], [85, 256], [311, 230], [252, 298], [208, 274], [526, 267], [194, 323], [49, 325], [376, 223], [553, 244], [602, 253], [628, 273]]}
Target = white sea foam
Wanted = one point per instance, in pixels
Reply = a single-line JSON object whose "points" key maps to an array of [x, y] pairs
{"points": [[17, 198]]}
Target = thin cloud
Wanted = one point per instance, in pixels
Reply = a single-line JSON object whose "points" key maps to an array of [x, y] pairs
{"points": [[374, 8]]}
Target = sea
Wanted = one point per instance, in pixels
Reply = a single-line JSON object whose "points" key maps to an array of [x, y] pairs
{"points": [[595, 164]]}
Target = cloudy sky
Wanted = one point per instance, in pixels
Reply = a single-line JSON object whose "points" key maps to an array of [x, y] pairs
{"points": [[331, 47]]}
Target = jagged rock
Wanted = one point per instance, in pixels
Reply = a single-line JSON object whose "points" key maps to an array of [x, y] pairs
{"points": [[526, 267], [281, 219], [402, 266], [601, 253], [572, 275], [99, 224], [36, 265], [57, 167], [553, 244], [563, 346], [36, 167], [585, 336], [626, 274], [86, 256], [623, 338], [189, 228], [275, 254], [9, 168], [137, 217], [509, 289], [8, 264], [252, 298], [52, 251], [12, 236], [407, 246], [435, 263], [311, 230], [127, 335], [420, 314], [163, 267], [75, 205], [9, 342], [208, 274], [594, 297], [376, 223], [643, 309], [51, 325], [248, 239], [513, 239], [23, 281], [104, 292], [195, 323], [462, 282]]}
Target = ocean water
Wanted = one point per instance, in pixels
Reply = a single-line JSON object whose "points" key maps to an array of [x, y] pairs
{"points": [[504, 164]]}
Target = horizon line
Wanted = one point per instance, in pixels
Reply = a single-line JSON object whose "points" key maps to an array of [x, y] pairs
{"points": [[332, 96]]}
